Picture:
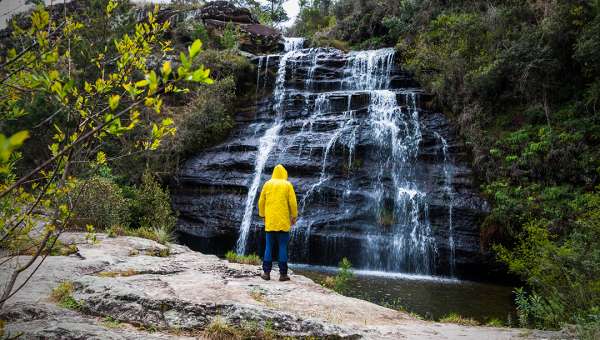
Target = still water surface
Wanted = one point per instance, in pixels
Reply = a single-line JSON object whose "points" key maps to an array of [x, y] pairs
{"points": [[428, 296]]}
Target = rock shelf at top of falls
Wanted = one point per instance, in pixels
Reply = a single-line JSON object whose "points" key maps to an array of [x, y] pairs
{"points": [[118, 285], [380, 179]]}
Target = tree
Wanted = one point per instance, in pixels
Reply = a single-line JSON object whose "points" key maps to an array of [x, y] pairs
{"points": [[119, 90], [276, 11]]}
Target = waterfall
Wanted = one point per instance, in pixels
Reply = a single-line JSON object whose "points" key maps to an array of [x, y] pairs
{"points": [[401, 205], [450, 197], [267, 141], [348, 119], [292, 44], [369, 70]]}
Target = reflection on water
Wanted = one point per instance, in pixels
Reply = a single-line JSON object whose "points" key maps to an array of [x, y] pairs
{"points": [[428, 296]]}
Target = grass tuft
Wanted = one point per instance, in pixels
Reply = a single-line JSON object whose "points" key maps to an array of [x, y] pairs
{"points": [[459, 320], [231, 256], [62, 295], [124, 273], [162, 235], [111, 322], [219, 329], [494, 322]]}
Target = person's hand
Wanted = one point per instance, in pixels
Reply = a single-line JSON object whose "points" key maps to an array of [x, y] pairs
{"points": [[293, 220]]}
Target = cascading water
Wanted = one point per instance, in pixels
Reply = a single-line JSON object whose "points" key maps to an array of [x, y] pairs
{"points": [[450, 197], [398, 204], [267, 141], [363, 156]]}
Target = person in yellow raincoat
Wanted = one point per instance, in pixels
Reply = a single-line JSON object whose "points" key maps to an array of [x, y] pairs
{"points": [[277, 205]]}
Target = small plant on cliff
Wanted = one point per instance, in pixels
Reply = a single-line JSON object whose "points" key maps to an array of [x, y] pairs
{"points": [[232, 256], [340, 283], [62, 295], [229, 40]]}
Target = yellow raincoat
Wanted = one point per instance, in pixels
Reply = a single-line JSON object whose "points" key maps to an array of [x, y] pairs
{"points": [[277, 202]]}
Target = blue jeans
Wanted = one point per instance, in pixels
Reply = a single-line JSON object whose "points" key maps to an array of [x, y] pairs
{"points": [[281, 238]]}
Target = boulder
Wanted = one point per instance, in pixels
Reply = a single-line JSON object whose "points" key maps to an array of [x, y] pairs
{"points": [[253, 37], [226, 11]]}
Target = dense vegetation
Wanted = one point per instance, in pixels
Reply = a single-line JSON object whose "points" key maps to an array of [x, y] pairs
{"points": [[521, 79], [100, 101]]}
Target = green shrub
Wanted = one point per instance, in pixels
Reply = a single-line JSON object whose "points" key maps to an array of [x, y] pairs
{"points": [[494, 322], [588, 327], [151, 205], [564, 276], [220, 329], [534, 311], [230, 38], [341, 281], [116, 230], [223, 65], [206, 119], [232, 256], [325, 41], [200, 32], [100, 203], [160, 235]]}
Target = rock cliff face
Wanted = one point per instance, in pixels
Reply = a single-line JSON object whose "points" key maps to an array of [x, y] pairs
{"points": [[380, 179], [123, 291]]}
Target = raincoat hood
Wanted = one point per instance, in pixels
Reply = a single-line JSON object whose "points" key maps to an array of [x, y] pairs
{"points": [[279, 172], [277, 202]]}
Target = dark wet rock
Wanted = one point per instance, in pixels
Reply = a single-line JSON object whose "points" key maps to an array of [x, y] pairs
{"points": [[226, 11], [254, 37]]}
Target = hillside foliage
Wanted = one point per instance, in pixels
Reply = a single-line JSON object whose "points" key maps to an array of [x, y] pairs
{"points": [[521, 80], [100, 101]]}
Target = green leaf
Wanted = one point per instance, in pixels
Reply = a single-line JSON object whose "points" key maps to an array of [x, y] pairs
{"points": [[166, 68], [185, 61], [18, 138], [201, 76], [152, 82], [141, 83], [101, 158], [113, 101], [195, 48]]}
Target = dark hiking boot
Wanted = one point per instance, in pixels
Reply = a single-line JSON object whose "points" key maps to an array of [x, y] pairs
{"points": [[284, 277], [265, 276]]}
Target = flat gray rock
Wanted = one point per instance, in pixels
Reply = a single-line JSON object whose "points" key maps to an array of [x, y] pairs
{"points": [[118, 279]]}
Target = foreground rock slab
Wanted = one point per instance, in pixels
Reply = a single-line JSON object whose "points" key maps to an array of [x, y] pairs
{"points": [[125, 291]]}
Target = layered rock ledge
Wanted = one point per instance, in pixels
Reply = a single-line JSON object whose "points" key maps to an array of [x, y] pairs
{"points": [[180, 295]]}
